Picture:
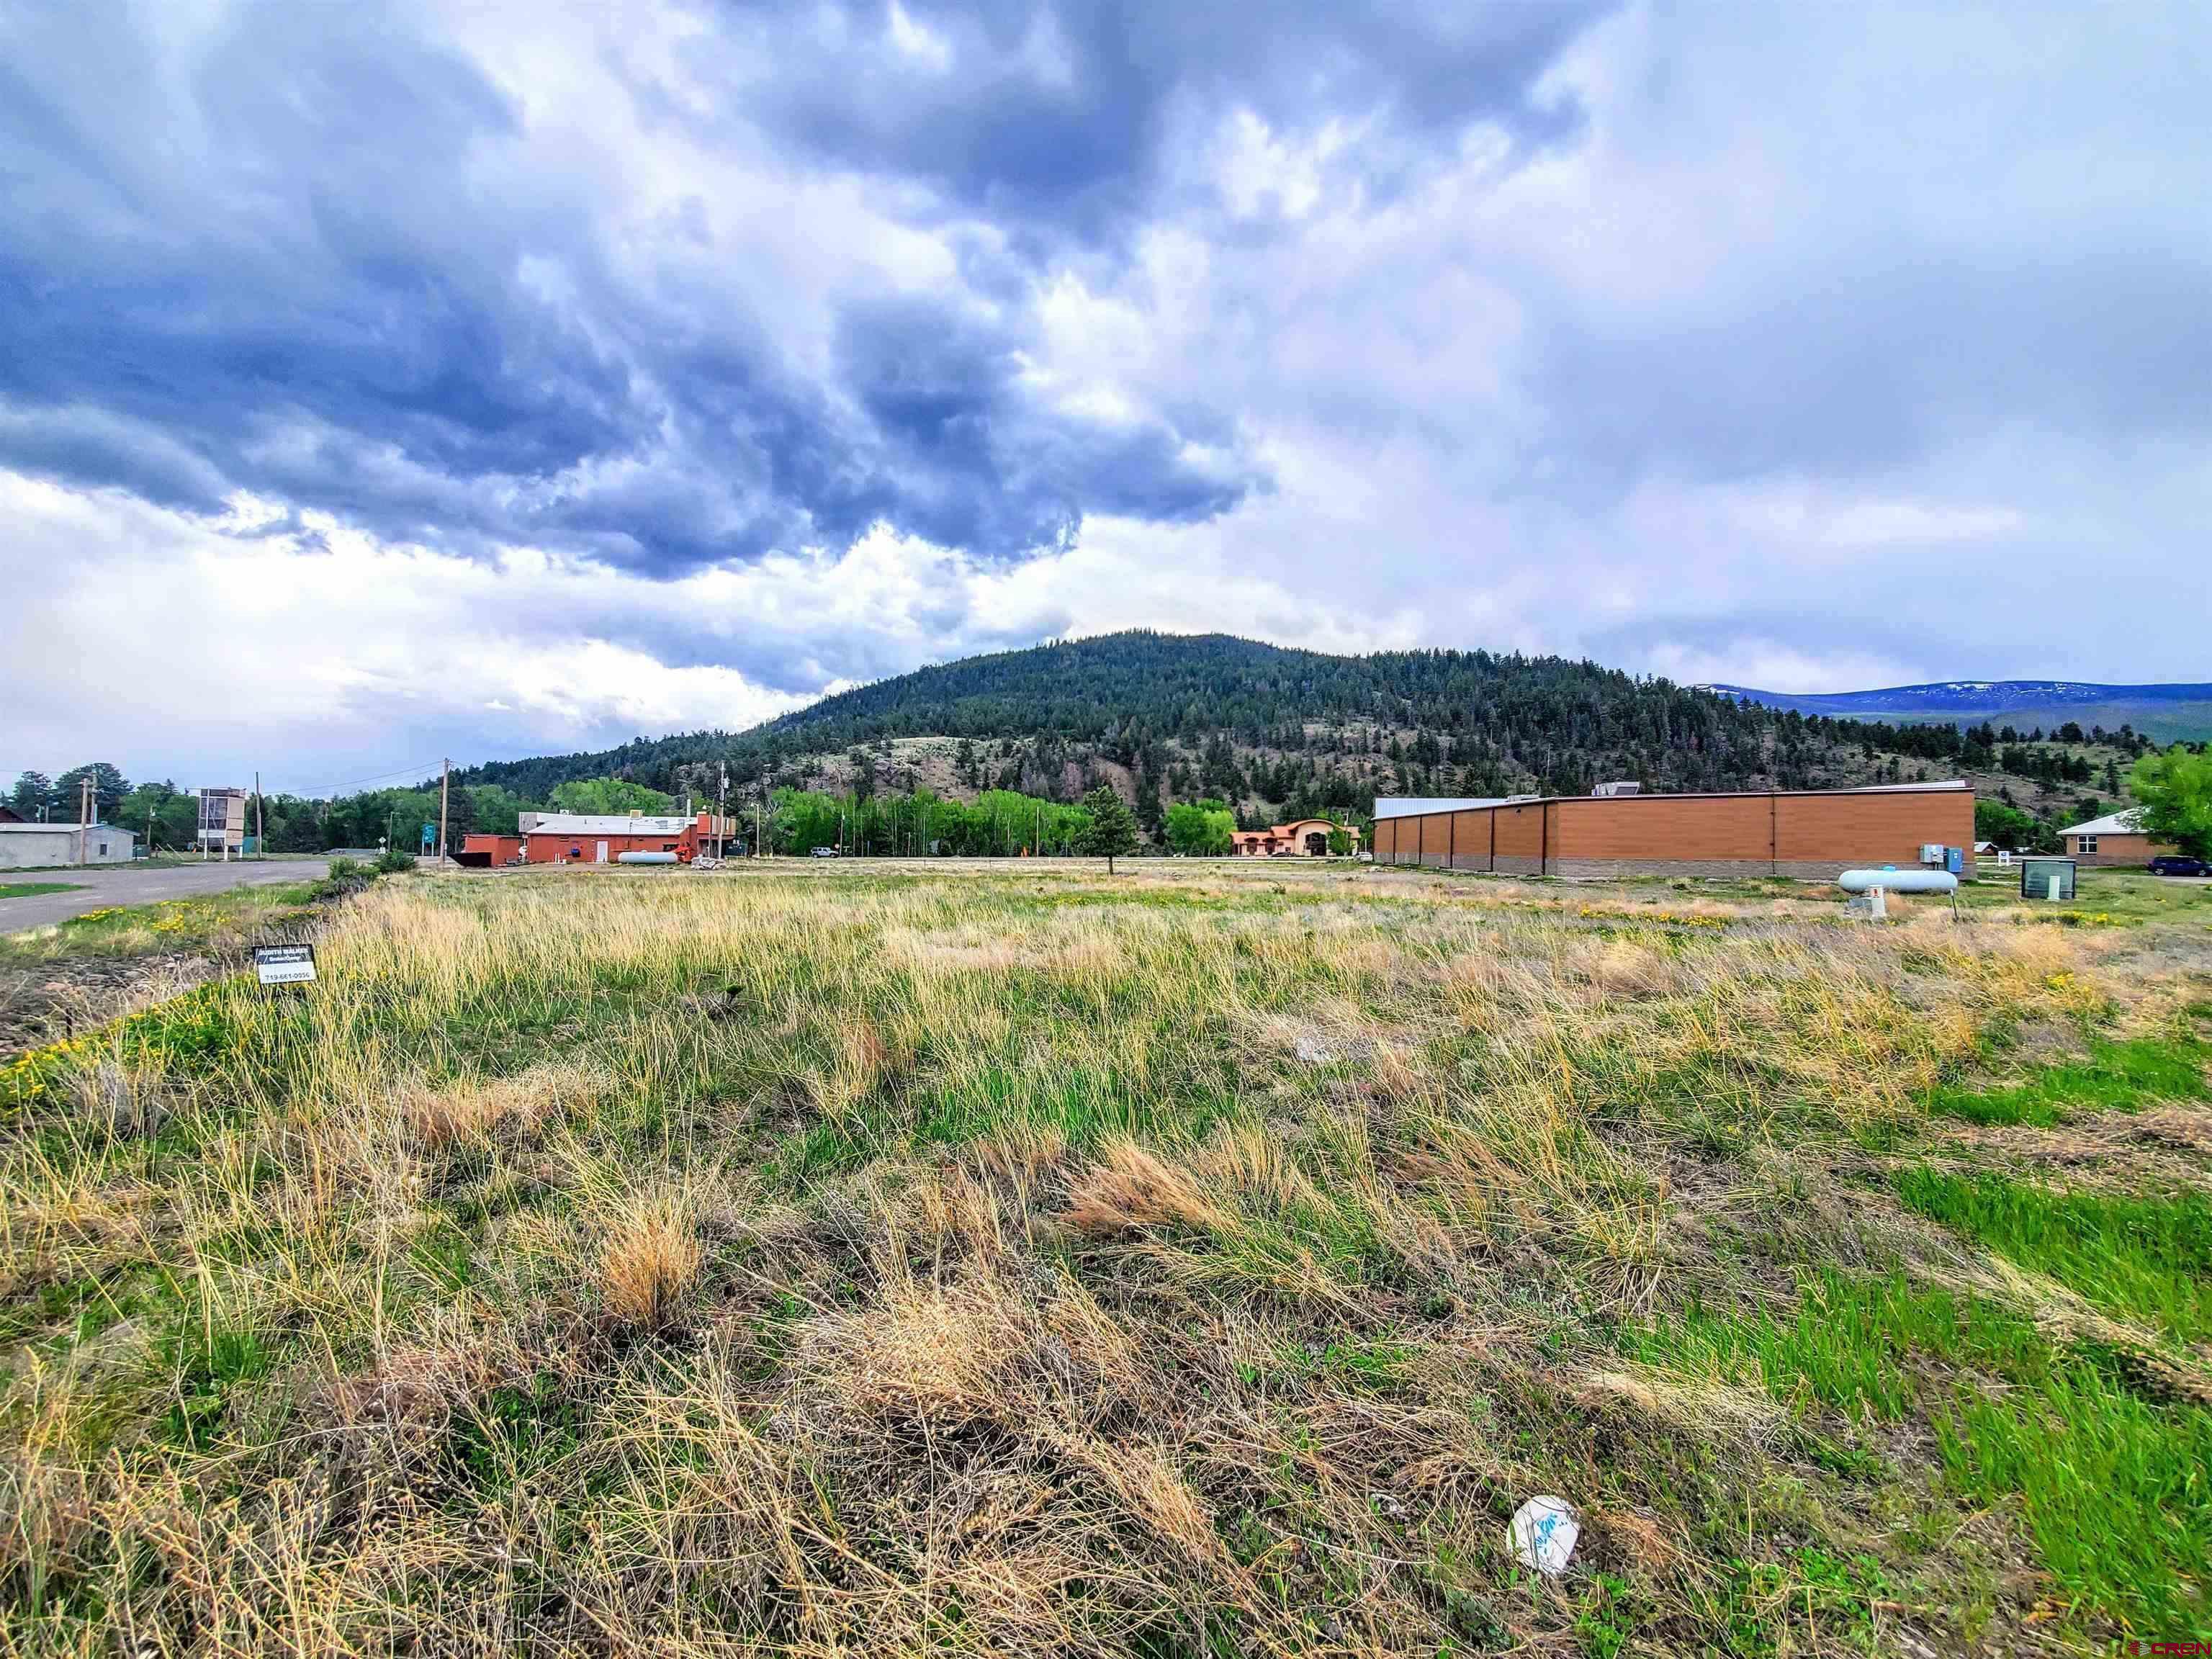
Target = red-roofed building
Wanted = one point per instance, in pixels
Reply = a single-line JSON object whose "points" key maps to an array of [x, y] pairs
{"points": [[1301, 838]]}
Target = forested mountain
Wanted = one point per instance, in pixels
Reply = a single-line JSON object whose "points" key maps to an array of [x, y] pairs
{"points": [[1171, 717]]}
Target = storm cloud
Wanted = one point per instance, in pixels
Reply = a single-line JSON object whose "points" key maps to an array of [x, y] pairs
{"points": [[328, 256]]}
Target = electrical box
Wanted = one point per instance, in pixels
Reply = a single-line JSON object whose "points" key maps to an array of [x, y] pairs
{"points": [[2046, 878], [1932, 852]]}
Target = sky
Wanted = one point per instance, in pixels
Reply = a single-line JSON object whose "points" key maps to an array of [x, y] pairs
{"points": [[385, 382]]}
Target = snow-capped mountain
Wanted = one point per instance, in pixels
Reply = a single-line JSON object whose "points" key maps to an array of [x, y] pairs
{"points": [[2164, 711]]}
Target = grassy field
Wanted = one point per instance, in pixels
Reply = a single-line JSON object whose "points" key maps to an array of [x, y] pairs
{"points": [[1202, 1262], [213, 922], [80, 974]]}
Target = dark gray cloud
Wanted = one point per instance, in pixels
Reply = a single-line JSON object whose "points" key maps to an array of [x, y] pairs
{"points": [[966, 464], [1056, 118], [277, 268], [1856, 371], [312, 255]]}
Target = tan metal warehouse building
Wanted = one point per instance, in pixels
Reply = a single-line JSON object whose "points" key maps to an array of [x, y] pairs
{"points": [[1810, 834]]}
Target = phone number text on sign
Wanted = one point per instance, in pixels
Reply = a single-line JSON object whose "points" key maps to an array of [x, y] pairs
{"points": [[284, 964]]}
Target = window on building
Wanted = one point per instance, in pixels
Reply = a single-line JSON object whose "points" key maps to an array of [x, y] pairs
{"points": [[2088, 843]]}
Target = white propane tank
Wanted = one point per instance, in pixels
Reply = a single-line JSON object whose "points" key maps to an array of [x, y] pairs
{"points": [[1898, 881]]}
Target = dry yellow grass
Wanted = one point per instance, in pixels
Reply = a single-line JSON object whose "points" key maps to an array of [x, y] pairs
{"points": [[989, 1261], [649, 1254]]}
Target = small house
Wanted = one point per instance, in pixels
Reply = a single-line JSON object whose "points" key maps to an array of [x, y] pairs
{"points": [[2116, 838]]}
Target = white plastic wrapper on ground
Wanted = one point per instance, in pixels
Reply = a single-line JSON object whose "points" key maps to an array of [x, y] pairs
{"points": [[1543, 1534]]}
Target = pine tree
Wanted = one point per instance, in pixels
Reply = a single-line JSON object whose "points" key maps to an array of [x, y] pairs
{"points": [[109, 786], [33, 791], [1112, 828]]}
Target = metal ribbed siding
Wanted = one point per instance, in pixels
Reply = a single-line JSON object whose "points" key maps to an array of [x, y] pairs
{"points": [[1805, 833]]}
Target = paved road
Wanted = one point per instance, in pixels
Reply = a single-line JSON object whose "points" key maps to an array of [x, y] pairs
{"points": [[95, 885]]}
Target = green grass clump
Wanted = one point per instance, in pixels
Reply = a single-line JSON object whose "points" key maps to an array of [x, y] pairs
{"points": [[1763, 1603], [210, 1362], [2117, 1077], [33, 889], [1847, 1342], [2112, 1487], [2148, 1257]]}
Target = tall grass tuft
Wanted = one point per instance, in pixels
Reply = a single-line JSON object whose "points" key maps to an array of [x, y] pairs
{"points": [[649, 1255]]}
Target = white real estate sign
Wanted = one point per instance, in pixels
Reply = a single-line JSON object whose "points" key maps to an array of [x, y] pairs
{"points": [[284, 964]]}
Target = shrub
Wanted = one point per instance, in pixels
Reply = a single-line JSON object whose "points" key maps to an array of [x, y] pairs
{"points": [[345, 876], [394, 861]]}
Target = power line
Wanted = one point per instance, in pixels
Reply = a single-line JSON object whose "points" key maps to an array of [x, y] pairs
{"points": [[421, 770]]}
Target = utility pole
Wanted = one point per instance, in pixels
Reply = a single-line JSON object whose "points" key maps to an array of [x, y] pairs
{"points": [[720, 790], [445, 773], [260, 838], [83, 818]]}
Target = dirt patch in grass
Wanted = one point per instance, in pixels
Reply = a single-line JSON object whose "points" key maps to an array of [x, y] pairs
{"points": [[45, 1001], [2161, 1147]]}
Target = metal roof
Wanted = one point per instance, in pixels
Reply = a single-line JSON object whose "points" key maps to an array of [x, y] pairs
{"points": [[2128, 822], [605, 823], [1410, 806]]}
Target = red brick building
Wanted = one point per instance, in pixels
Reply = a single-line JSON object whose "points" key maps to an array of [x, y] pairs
{"points": [[596, 838], [1808, 833]]}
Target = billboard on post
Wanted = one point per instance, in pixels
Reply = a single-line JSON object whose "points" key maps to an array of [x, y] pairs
{"points": [[223, 820]]}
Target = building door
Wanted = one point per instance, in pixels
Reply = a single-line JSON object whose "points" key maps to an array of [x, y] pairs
{"points": [[1316, 844], [603, 853]]}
